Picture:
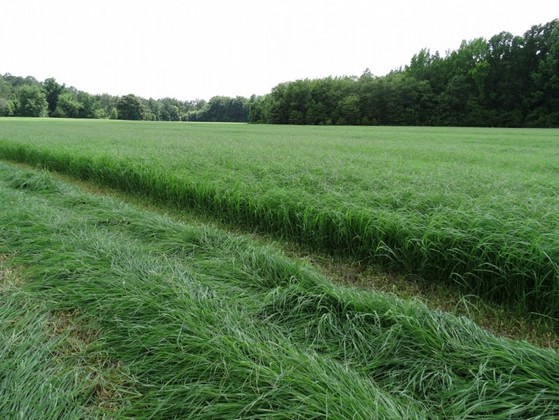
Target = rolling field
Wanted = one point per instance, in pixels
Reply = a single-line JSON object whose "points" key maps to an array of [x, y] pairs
{"points": [[108, 310], [476, 207]]}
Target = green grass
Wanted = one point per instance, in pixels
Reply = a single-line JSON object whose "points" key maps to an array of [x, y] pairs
{"points": [[177, 320], [49, 367], [475, 207]]}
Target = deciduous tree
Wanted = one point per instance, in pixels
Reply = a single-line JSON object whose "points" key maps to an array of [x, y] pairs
{"points": [[52, 93], [30, 102], [130, 107]]}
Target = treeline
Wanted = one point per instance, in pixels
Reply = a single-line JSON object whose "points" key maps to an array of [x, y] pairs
{"points": [[507, 81], [27, 97]]}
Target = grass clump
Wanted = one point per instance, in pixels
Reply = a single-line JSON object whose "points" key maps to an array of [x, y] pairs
{"points": [[48, 368], [203, 324], [35, 181]]}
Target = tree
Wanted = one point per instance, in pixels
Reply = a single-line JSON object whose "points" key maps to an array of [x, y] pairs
{"points": [[257, 112], [348, 112], [6, 93], [221, 108], [68, 106], [107, 104], [52, 92], [542, 45], [238, 109], [5, 98], [30, 102], [130, 107], [90, 106], [5, 107], [154, 109], [170, 109]]}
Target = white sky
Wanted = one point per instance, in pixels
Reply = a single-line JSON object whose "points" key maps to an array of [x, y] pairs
{"points": [[197, 49]]}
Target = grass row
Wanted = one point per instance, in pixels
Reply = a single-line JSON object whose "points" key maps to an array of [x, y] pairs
{"points": [[476, 207], [193, 322]]}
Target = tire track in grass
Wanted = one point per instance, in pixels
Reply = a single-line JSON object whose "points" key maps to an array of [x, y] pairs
{"points": [[192, 353], [212, 325]]}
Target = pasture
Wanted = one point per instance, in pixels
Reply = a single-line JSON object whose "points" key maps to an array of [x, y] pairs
{"points": [[474, 207]]}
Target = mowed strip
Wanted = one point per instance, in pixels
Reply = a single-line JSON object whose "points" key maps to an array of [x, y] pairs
{"points": [[191, 321]]}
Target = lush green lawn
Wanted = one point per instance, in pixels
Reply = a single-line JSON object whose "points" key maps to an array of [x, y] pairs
{"points": [[110, 310], [474, 206]]}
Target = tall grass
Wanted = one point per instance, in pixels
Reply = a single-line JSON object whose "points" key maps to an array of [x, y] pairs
{"points": [[204, 324], [48, 367], [476, 207]]}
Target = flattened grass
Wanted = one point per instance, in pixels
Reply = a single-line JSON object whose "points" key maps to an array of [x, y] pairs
{"points": [[48, 366], [204, 324]]}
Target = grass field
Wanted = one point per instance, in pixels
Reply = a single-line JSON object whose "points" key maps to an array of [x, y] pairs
{"points": [[476, 207], [109, 310]]}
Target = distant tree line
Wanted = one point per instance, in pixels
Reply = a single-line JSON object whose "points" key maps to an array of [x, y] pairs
{"points": [[507, 81], [27, 97]]}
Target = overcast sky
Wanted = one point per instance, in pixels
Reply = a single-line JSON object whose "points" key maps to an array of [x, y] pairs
{"points": [[197, 49]]}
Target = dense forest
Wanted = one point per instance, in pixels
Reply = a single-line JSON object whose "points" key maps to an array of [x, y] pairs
{"points": [[27, 97], [506, 81]]}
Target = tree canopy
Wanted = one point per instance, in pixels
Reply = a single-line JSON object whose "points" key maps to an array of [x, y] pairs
{"points": [[28, 97], [507, 81], [130, 107], [30, 101]]}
